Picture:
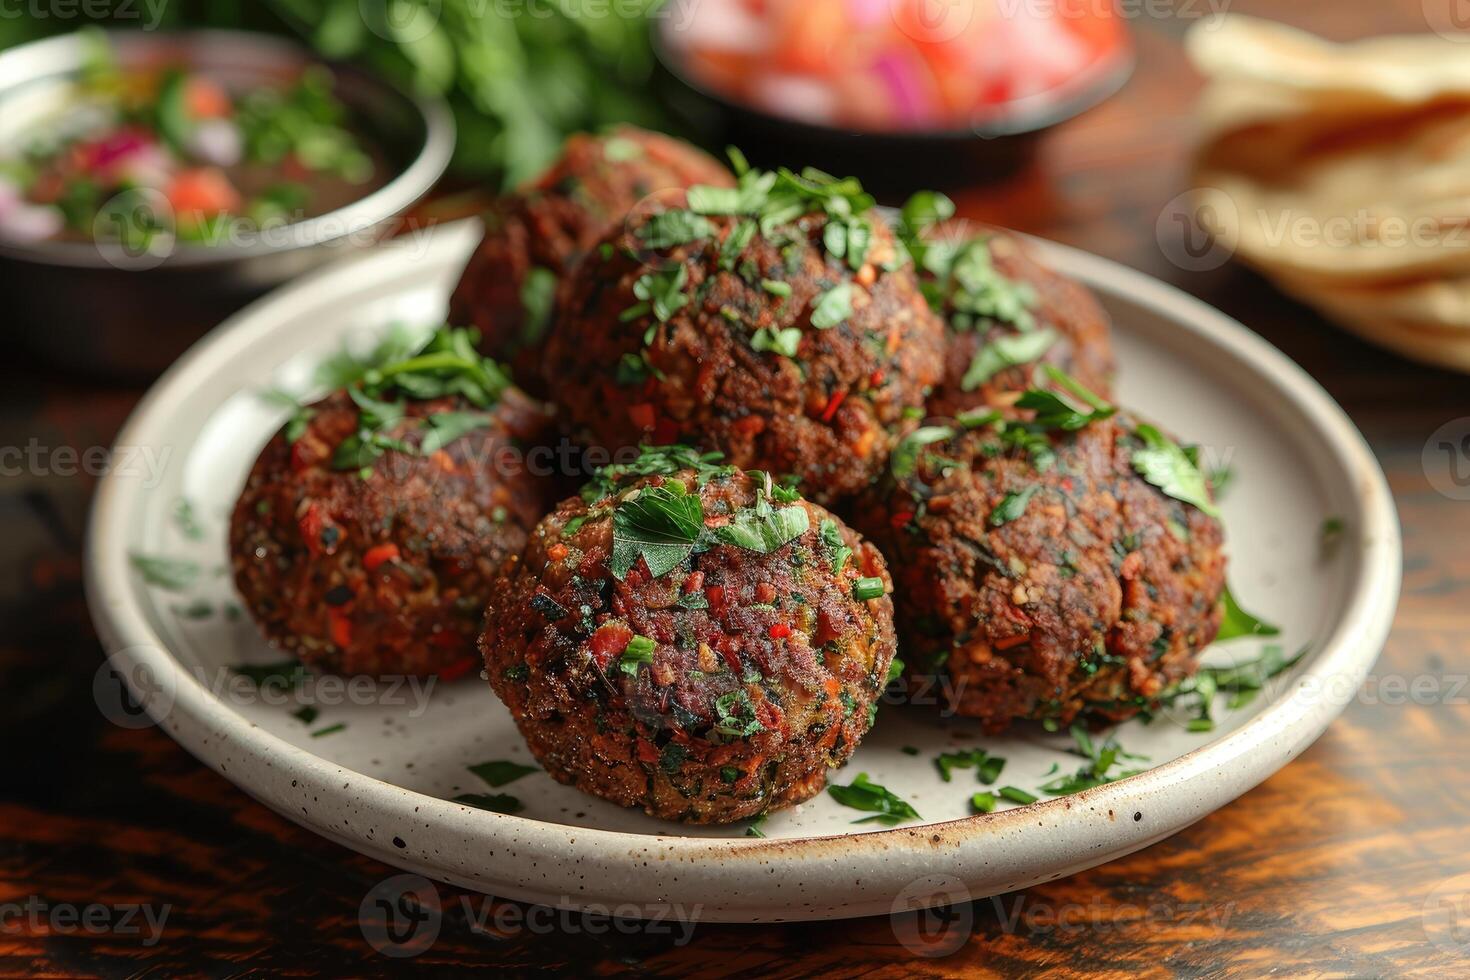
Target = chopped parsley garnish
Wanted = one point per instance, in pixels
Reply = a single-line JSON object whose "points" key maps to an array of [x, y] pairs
{"points": [[494, 802], [983, 802], [654, 461], [1016, 795], [1055, 412], [763, 528], [1013, 505], [754, 829], [776, 287], [1242, 682], [306, 714], [779, 340], [1237, 622], [173, 574], [1101, 759], [1164, 464], [662, 294], [446, 365], [329, 730], [833, 306], [445, 427], [736, 715], [499, 772], [1331, 534], [868, 588], [905, 459], [638, 653], [988, 767], [660, 525], [185, 520], [678, 227], [864, 794], [837, 550], [1005, 352]]}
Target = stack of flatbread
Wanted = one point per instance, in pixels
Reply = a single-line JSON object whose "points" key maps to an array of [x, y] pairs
{"points": [[1342, 172]]}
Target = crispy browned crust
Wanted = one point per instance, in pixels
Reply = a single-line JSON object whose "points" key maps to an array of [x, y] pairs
{"points": [[783, 628], [829, 416], [1100, 595], [300, 531], [550, 223]]}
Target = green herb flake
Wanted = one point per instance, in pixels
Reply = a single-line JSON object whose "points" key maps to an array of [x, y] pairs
{"points": [[173, 574], [1237, 622], [1165, 465], [983, 802], [1013, 505], [785, 341], [837, 550], [660, 526], [678, 227], [833, 306], [638, 653], [1006, 352], [868, 588], [1017, 795], [863, 794], [329, 730], [185, 520], [499, 772], [763, 528]]}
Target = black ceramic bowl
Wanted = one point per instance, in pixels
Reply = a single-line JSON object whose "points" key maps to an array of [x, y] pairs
{"points": [[95, 309], [891, 163]]}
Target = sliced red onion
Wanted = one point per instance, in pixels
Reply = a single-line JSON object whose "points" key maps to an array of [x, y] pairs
{"points": [[217, 142], [906, 88], [30, 222]]}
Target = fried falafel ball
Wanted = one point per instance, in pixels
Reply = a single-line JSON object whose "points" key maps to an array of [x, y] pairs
{"points": [[692, 640], [780, 324], [1040, 574], [535, 235], [1007, 313], [371, 525]]}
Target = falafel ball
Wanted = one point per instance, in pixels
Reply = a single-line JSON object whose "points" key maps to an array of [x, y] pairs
{"points": [[780, 324], [692, 640], [371, 525], [535, 235], [1008, 314], [1040, 574]]}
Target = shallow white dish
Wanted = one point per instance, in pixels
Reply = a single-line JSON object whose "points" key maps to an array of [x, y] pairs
{"points": [[381, 784]]}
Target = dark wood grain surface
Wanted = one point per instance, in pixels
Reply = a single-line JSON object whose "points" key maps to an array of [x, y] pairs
{"points": [[1352, 861]]}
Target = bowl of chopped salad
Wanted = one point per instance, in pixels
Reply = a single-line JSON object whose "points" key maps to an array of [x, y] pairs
{"points": [[901, 93], [152, 183]]}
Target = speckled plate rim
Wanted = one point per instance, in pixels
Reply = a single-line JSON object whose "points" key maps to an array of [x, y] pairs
{"points": [[754, 880]]}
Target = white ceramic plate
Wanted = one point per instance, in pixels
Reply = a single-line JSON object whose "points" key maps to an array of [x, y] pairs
{"points": [[381, 784]]}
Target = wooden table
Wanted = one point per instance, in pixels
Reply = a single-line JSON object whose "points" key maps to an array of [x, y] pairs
{"points": [[1344, 863]]}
